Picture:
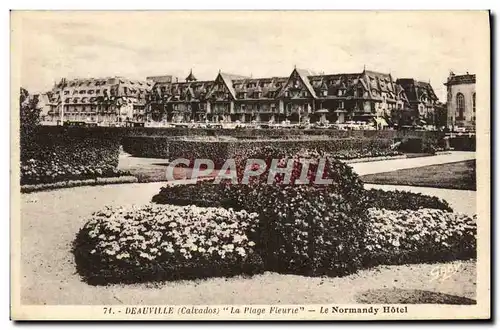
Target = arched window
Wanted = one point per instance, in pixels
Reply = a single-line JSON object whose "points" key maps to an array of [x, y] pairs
{"points": [[460, 106], [474, 102]]}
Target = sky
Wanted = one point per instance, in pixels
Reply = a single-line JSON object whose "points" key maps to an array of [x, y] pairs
{"points": [[421, 45]]}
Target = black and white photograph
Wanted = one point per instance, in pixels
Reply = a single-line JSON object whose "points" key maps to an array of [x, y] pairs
{"points": [[250, 165]]}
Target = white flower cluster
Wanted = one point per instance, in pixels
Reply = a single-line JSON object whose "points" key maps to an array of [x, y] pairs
{"points": [[173, 233], [413, 229]]}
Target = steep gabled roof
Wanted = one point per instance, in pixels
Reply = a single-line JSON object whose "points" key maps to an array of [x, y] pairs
{"points": [[228, 81], [303, 74], [414, 89], [425, 88]]}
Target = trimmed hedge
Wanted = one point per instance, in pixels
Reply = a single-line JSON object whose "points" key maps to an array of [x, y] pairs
{"points": [[157, 242], [68, 154], [220, 151], [202, 193], [415, 236], [463, 143], [309, 230], [404, 200]]}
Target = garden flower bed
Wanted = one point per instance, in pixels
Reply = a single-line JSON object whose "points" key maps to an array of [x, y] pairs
{"points": [[415, 236], [78, 183], [61, 154], [157, 242], [306, 229]]}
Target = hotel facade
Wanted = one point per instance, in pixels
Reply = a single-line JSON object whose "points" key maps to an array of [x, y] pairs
{"points": [[301, 97]]}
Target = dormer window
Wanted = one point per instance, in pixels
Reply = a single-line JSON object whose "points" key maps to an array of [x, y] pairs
{"points": [[325, 93], [340, 92]]}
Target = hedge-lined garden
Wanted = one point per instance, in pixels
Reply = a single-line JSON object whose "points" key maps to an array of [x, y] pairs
{"points": [[305, 229], [68, 154]]}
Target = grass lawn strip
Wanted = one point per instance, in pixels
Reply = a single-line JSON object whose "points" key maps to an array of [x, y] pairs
{"points": [[458, 175]]}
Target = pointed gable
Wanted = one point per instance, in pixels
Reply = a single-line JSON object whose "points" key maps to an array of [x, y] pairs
{"points": [[298, 81], [222, 84]]}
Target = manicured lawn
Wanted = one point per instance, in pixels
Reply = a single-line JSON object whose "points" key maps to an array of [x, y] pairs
{"points": [[458, 175]]}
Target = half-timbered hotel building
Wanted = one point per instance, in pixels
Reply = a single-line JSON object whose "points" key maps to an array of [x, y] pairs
{"points": [[300, 97]]}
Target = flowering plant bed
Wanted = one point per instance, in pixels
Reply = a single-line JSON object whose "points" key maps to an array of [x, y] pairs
{"points": [[165, 242], [49, 170], [59, 154], [415, 236], [404, 200], [78, 183]]}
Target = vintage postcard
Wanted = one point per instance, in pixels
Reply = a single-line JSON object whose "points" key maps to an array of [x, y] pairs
{"points": [[250, 165]]}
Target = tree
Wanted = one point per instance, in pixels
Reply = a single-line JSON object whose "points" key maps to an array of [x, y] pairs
{"points": [[29, 115]]}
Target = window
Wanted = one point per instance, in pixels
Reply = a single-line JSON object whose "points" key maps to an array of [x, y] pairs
{"points": [[66, 92], [341, 105], [460, 106], [91, 91], [82, 91], [325, 93], [474, 102], [98, 91], [339, 92], [287, 94]]}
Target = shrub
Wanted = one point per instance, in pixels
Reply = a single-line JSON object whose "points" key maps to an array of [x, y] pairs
{"points": [[156, 242], [310, 230], [203, 193], [404, 200], [35, 171], [68, 154], [220, 151], [463, 142], [305, 229], [416, 236]]}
